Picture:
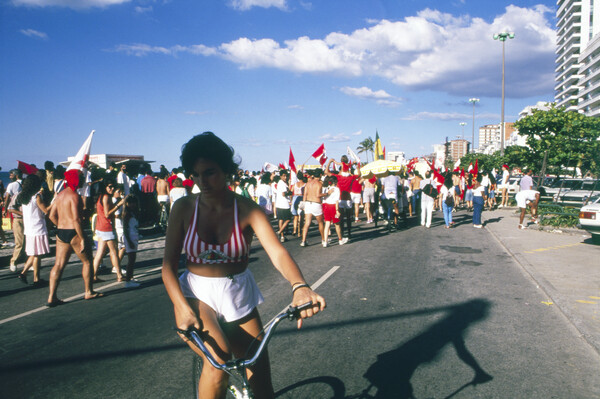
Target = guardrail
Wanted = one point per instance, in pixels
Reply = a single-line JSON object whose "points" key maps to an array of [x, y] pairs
{"points": [[552, 214]]}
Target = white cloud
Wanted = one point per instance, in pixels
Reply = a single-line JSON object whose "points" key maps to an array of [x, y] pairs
{"points": [[75, 4], [429, 51], [140, 50], [338, 138], [380, 96], [142, 10], [449, 116], [34, 33], [357, 133], [295, 106], [245, 5]]}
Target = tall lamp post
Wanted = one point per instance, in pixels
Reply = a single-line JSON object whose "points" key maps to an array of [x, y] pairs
{"points": [[502, 37], [473, 101]]}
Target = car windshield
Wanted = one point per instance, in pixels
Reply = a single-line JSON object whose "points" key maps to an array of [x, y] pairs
{"points": [[571, 184], [595, 199], [591, 185]]}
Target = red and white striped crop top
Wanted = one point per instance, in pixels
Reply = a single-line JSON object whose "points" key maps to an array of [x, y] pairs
{"points": [[233, 251]]}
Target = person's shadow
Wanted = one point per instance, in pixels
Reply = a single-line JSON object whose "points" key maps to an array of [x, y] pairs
{"points": [[393, 370]]}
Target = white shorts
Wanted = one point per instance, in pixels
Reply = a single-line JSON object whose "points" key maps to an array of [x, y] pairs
{"points": [[163, 198], [345, 204], [120, 237], [522, 197], [105, 235], [232, 298], [369, 195], [314, 208], [355, 198]]}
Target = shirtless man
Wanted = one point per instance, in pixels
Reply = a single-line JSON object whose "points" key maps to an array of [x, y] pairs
{"points": [[66, 214], [312, 204]]}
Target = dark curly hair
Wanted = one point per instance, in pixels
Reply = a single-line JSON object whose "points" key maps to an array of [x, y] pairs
{"points": [[208, 146]]}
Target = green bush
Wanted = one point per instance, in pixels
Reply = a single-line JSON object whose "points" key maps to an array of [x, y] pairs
{"points": [[558, 216]]}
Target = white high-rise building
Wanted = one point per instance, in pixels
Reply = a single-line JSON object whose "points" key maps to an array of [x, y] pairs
{"points": [[578, 56]]}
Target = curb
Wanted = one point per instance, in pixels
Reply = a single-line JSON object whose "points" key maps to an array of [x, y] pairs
{"points": [[547, 288]]}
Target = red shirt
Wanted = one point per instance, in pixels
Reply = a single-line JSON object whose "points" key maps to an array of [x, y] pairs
{"points": [[356, 188], [344, 184], [170, 180]]}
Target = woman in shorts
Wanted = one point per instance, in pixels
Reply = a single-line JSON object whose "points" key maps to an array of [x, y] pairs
{"points": [[105, 228], [217, 293], [34, 211], [331, 210]]}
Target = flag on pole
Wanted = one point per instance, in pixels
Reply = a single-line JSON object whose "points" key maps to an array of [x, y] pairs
{"points": [[352, 155], [457, 165], [470, 168], [437, 177], [378, 150], [383, 153], [82, 155], [292, 162], [26, 168], [269, 167], [475, 169], [282, 166], [320, 154], [411, 164]]}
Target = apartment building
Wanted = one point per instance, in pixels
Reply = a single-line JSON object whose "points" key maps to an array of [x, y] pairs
{"points": [[578, 56]]}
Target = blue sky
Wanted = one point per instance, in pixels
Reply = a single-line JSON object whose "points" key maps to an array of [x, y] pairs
{"points": [[265, 75]]}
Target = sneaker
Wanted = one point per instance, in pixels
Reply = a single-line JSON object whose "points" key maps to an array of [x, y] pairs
{"points": [[132, 284], [114, 271], [324, 243], [356, 220], [303, 244], [13, 267], [477, 226], [343, 240]]}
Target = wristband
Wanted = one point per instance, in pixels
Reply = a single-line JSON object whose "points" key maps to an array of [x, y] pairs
{"points": [[300, 286]]}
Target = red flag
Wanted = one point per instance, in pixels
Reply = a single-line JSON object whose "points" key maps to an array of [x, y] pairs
{"points": [[292, 162], [411, 164], [281, 166], [26, 168], [320, 151], [470, 168], [383, 152], [436, 175], [322, 160], [475, 169]]}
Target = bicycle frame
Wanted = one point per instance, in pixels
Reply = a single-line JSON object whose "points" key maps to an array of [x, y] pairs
{"points": [[239, 366]]}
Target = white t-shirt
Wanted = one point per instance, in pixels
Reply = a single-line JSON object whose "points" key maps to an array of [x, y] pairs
{"points": [[263, 194], [478, 192], [282, 201], [505, 177], [334, 197], [123, 179]]}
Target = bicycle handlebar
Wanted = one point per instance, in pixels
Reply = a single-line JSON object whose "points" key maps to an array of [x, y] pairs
{"points": [[292, 312]]}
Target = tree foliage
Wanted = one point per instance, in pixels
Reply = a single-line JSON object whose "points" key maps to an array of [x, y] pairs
{"points": [[365, 146], [571, 138]]}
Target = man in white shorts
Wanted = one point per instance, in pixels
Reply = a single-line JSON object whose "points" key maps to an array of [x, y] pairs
{"points": [[312, 203], [527, 198]]}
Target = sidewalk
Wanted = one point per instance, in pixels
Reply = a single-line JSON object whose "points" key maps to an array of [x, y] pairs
{"points": [[565, 265]]}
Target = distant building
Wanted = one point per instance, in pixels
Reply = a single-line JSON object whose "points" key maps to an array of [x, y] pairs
{"points": [[489, 137], [103, 160], [458, 148], [515, 137], [396, 156]]}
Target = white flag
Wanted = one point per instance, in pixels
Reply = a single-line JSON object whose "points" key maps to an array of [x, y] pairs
{"points": [[82, 155], [352, 155], [269, 167]]}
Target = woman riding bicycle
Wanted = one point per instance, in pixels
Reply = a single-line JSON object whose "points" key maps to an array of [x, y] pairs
{"points": [[217, 292]]}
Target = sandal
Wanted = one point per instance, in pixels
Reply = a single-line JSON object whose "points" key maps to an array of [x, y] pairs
{"points": [[521, 227], [94, 295]]}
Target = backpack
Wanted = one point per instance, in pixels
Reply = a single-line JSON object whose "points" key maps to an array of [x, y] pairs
{"points": [[430, 191], [449, 200]]}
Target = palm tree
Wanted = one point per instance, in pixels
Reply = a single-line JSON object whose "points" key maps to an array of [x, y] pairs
{"points": [[365, 146]]}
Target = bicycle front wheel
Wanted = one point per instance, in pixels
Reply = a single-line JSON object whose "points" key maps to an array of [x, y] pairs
{"points": [[197, 371]]}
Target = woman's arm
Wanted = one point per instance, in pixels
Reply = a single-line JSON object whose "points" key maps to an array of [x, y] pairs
{"points": [[41, 205], [284, 263], [185, 316]]}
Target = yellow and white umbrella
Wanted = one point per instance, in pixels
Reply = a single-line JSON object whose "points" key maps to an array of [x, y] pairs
{"points": [[380, 168]]}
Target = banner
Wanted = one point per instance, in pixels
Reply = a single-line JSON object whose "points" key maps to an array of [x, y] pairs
{"points": [[378, 150]]}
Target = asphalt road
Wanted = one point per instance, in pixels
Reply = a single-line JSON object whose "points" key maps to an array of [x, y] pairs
{"points": [[419, 313]]}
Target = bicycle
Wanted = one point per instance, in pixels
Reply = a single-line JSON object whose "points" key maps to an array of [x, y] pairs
{"points": [[236, 368], [163, 216]]}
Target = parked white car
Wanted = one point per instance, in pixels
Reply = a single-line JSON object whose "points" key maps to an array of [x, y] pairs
{"points": [[589, 218], [581, 195]]}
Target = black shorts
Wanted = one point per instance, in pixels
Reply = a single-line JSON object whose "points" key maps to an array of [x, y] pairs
{"points": [[284, 214]]}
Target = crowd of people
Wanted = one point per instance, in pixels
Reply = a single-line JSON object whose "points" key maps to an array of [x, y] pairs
{"points": [[216, 209]]}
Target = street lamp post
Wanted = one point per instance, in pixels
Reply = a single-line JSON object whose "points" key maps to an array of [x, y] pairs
{"points": [[473, 101], [502, 37]]}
